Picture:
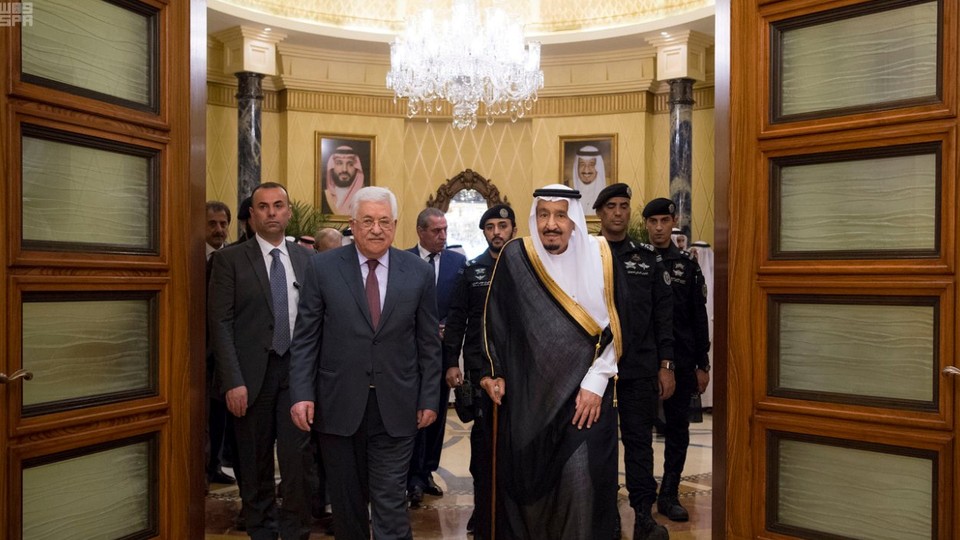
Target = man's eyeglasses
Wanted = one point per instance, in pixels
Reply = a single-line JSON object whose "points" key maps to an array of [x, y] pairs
{"points": [[368, 223]]}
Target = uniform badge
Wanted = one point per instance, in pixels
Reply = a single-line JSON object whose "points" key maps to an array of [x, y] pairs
{"points": [[666, 277], [504, 214], [704, 290], [629, 265], [644, 266]]}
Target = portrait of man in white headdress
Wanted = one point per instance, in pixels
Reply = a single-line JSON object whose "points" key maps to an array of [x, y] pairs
{"points": [[588, 167], [343, 167]]}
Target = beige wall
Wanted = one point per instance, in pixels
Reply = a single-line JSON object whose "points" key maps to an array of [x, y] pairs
{"points": [[222, 155], [339, 92], [413, 157]]}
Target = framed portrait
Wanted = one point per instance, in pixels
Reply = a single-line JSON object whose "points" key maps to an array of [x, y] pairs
{"points": [[344, 165], [588, 164]]}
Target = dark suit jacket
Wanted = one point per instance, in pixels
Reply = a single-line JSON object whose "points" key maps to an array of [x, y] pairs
{"points": [[450, 264], [336, 352], [240, 313]]}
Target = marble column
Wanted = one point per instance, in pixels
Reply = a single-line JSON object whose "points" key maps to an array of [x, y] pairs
{"points": [[681, 150], [249, 107]]}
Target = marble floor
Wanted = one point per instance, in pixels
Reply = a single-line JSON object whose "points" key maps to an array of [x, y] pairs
{"points": [[441, 518]]}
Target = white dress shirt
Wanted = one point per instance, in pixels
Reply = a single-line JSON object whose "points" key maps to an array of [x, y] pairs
{"points": [[425, 255], [382, 272]]}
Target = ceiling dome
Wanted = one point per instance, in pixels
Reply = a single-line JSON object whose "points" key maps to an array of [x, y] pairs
{"points": [[550, 21]]}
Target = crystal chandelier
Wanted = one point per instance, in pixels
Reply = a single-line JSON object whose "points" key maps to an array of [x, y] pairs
{"points": [[468, 59]]}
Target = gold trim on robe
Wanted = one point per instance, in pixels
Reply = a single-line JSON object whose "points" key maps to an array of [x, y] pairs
{"points": [[569, 305], [575, 310]]}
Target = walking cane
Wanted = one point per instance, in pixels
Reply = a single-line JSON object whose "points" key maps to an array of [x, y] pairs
{"points": [[493, 479]]}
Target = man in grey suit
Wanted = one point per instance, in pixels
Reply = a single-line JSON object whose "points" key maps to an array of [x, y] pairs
{"points": [[446, 265], [254, 288], [365, 359]]}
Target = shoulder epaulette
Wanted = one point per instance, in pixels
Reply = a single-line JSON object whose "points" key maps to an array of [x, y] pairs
{"points": [[649, 247], [687, 254]]}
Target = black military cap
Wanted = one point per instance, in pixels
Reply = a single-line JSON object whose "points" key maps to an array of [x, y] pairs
{"points": [[611, 191], [500, 211], [244, 212], [659, 207]]}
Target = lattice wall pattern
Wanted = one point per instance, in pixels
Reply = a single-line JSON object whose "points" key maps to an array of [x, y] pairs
{"points": [[414, 157]]}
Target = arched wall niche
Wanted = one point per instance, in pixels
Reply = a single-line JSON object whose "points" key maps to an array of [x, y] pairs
{"points": [[467, 179]]}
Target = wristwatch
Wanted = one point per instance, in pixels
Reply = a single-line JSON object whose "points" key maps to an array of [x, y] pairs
{"points": [[668, 364]]}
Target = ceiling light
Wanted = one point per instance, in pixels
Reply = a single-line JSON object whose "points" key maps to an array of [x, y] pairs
{"points": [[468, 59]]}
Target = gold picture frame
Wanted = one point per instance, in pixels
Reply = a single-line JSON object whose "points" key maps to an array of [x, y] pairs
{"points": [[601, 150], [340, 159]]}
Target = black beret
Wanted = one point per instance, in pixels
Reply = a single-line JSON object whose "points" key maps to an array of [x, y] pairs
{"points": [[659, 207], [611, 191], [500, 211], [244, 211]]}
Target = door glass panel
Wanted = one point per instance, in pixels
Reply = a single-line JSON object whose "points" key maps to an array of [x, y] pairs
{"points": [[866, 493], [87, 351], [886, 206], [870, 353], [860, 61], [92, 48], [80, 197], [104, 495]]}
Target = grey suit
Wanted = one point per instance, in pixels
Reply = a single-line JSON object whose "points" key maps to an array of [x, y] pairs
{"points": [[241, 331], [368, 383]]}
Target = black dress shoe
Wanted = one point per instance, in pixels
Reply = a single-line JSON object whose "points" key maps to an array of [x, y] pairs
{"points": [[220, 477], [415, 496], [432, 488]]}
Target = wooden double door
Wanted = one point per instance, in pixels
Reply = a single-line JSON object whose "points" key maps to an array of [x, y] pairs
{"points": [[839, 206], [101, 347]]}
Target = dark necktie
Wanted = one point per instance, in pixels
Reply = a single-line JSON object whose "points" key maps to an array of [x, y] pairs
{"points": [[373, 292], [430, 259], [281, 317]]}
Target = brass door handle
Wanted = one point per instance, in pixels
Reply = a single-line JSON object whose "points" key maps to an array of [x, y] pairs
{"points": [[951, 370], [27, 375]]}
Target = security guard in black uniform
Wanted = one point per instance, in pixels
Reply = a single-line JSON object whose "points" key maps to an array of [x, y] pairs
{"points": [[465, 329], [645, 371], [691, 345]]}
